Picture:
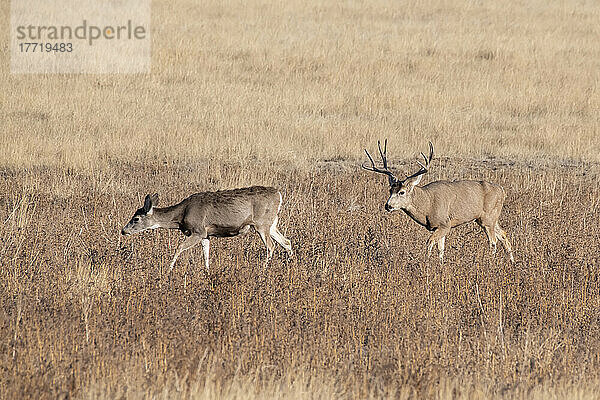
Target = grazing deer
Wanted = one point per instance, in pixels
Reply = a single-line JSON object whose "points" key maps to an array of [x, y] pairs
{"points": [[442, 205], [215, 214]]}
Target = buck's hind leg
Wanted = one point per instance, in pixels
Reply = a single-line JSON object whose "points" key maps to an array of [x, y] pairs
{"points": [[279, 238], [501, 235], [490, 233]]}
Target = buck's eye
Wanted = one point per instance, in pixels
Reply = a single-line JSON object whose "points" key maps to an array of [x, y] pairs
{"points": [[136, 219], [402, 193]]}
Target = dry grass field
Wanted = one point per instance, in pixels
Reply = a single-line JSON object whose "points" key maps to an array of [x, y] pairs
{"points": [[357, 313], [288, 94]]}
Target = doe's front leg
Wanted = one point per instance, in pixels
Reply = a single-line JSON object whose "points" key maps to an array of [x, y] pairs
{"points": [[188, 243], [206, 251]]}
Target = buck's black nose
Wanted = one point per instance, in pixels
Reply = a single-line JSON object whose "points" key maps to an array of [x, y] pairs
{"points": [[387, 207], [122, 231]]}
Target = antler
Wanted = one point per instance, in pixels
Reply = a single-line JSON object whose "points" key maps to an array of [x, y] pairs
{"points": [[383, 155], [424, 167]]}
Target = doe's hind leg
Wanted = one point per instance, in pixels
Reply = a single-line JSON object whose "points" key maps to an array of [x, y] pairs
{"points": [[491, 235], [279, 238], [501, 235], [266, 238]]}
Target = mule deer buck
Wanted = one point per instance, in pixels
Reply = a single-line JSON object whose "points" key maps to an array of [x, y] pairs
{"points": [[442, 205], [215, 214]]}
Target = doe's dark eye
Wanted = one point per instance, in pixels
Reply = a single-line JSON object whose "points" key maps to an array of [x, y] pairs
{"points": [[136, 219], [402, 192]]}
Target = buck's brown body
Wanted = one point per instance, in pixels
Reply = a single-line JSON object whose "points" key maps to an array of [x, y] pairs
{"points": [[223, 213], [446, 203]]}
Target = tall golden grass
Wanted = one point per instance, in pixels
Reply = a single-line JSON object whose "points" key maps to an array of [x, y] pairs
{"points": [[298, 81], [288, 94]]}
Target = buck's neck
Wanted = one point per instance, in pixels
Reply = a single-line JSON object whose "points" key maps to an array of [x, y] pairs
{"points": [[168, 217], [419, 206]]}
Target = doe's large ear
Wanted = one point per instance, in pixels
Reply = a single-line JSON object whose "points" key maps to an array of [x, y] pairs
{"points": [[147, 203]]}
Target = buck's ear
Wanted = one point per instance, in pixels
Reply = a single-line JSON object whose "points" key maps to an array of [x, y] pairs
{"points": [[147, 204], [154, 199], [411, 182]]}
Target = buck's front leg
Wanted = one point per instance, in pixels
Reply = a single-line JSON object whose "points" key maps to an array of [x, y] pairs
{"points": [[188, 243], [438, 236]]}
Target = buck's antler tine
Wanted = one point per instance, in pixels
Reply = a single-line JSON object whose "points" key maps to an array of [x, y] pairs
{"points": [[374, 168], [383, 153], [425, 158], [430, 151], [372, 162], [426, 161]]}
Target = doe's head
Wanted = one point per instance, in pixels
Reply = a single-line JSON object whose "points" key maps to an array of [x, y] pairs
{"points": [[143, 218]]}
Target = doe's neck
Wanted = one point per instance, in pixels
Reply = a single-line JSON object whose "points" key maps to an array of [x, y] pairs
{"points": [[167, 217]]}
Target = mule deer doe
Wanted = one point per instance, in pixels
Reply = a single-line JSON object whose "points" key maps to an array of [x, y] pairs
{"points": [[442, 205], [215, 214]]}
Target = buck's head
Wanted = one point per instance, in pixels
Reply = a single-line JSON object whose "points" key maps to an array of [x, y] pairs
{"points": [[401, 191], [143, 218]]}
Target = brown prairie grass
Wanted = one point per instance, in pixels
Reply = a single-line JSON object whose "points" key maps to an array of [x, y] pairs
{"points": [[357, 313]]}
